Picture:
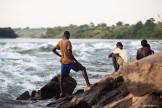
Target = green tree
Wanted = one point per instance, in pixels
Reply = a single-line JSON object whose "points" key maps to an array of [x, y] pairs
{"points": [[119, 23], [136, 30], [148, 30]]}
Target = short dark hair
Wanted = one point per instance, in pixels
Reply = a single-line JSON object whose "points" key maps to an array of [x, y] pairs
{"points": [[67, 33], [144, 43], [119, 44]]}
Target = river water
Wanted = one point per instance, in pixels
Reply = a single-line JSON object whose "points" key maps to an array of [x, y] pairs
{"points": [[28, 64]]}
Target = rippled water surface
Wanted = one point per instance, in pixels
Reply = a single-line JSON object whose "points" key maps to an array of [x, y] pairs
{"points": [[28, 64]]}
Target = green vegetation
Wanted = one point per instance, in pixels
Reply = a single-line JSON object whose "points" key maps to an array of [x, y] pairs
{"points": [[30, 32], [7, 33], [147, 30]]}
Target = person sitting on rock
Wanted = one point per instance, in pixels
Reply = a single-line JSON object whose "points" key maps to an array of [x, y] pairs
{"points": [[144, 51], [68, 61], [119, 56]]}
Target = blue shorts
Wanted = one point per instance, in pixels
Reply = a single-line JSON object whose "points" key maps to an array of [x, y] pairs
{"points": [[65, 68]]}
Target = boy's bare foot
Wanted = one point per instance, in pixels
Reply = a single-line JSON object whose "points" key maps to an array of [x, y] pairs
{"points": [[62, 94], [59, 96], [88, 87]]}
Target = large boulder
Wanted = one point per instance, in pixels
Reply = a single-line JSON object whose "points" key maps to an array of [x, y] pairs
{"points": [[144, 76], [52, 88]]}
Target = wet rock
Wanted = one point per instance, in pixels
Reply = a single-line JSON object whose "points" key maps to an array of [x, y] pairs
{"points": [[79, 92], [36, 95], [24, 96], [78, 103], [60, 102], [52, 88], [110, 97], [118, 92], [103, 90], [123, 103], [69, 102], [144, 75], [5, 103], [101, 93]]}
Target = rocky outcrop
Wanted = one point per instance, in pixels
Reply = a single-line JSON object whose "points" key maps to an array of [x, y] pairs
{"points": [[144, 75], [136, 85], [51, 89], [104, 91], [144, 82], [108, 90]]}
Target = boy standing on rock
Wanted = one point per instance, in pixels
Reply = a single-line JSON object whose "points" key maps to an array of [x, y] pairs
{"points": [[68, 61], [119, 56]]}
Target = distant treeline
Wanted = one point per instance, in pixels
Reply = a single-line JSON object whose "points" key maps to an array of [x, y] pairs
{"points": [[31, 32], [7, 33], [147, 30]]}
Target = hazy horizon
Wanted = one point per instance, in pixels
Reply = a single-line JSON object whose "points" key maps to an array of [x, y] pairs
{"points": [[53, 13]]}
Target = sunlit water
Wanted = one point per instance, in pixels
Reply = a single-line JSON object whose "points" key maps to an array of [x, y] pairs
{"points": [[28, 64]]}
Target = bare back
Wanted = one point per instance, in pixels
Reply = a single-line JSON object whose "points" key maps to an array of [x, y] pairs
{"points": [[142, 52]]}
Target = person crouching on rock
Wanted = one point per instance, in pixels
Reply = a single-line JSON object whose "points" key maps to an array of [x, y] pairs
{"points": [[119, 56], [68, 61]]}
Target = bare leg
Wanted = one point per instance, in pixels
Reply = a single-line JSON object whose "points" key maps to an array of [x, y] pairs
{"points": [[61, 86], [115, 64], [85, 76]]}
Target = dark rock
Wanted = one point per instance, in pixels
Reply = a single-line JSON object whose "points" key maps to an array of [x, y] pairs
{"points": [[122, 103], [24, 96], [100, 93], [52, 88], [78, 103], [79, 91], [33, 93], [59, 103], [102, 90], [69, 102], [37, 95], [110, 97]]}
